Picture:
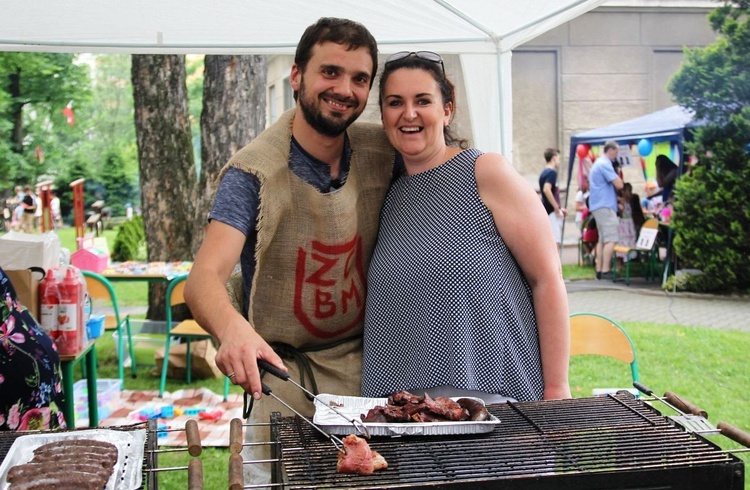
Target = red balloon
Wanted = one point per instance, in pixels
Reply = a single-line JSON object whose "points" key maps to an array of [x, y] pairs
{"points": [[582, 150]]}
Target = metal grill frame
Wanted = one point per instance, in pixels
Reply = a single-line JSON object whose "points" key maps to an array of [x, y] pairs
{"points": [[586, 443], [150, 458]]}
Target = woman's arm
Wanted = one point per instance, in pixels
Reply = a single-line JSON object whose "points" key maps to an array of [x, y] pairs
{"points": [[521, 220]]}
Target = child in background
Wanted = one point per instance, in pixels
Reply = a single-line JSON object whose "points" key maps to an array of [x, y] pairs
{"points": [[626, 227]]}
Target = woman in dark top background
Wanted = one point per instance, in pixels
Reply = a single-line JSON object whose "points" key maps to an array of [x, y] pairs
{"points": [[31, 396]]}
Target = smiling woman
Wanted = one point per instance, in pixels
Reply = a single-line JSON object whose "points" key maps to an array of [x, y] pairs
{"points": [[465, 234]]}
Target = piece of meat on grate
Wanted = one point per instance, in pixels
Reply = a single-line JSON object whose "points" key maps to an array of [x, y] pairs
{"points": [[359, 458]]}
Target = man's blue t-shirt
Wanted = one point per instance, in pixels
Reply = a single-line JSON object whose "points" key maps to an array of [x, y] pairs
{"points": [[602, 193]]}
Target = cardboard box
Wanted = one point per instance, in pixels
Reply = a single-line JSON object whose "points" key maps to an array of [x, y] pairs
{"points": [[26, 284], [20, 251]]}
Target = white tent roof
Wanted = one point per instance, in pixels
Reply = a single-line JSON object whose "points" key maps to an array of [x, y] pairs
{"points": [[483, 32]]}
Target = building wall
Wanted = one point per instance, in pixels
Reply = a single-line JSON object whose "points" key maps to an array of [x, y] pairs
{"points": [[609, 65]]}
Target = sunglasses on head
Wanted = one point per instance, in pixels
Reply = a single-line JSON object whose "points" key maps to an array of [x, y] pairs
{"points": [[422, 55]]}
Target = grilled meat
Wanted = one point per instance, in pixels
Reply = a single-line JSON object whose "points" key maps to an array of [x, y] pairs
{"points": [[406, 407], [76, 464], [359, 458]]}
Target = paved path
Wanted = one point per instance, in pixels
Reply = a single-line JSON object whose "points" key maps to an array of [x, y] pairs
{"points": [[645, 302], [641, 302]]}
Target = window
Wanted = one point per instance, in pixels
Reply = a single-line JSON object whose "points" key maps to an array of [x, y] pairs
{"points": [[273, 113], [288, 95]]}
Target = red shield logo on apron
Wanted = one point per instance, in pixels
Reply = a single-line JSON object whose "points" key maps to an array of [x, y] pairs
{"points": [[329, 290]]}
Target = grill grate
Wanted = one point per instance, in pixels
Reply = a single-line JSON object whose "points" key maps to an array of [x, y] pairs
{"points": [[608, 442]]}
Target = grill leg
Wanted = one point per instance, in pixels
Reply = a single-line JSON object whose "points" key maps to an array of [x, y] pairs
{"points": [[276, 473]]}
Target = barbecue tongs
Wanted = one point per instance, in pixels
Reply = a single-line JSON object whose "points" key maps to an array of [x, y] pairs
{"points": [[359, 426]]}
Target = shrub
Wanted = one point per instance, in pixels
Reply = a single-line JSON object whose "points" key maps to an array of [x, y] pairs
{"points": [[130, 241], [712, 218]]}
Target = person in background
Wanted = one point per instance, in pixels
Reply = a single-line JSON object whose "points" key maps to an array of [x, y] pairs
{"points": [[589, 234], [29, 205], [581, 199], [17, 219], [54, 209], [298, 208], [551, 194], [648, 205], [637, 212], [465, 289], [666, 175], [604, 183], [31, 396], [626, 225]]}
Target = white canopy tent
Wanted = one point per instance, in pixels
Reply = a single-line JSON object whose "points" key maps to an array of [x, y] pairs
{"points": [[482, 32]]}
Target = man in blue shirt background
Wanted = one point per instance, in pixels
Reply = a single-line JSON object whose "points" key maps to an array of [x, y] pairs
{"points": [[604, 182]]}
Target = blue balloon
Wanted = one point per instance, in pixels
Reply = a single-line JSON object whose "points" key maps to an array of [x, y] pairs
{"points": [[645, 147]]}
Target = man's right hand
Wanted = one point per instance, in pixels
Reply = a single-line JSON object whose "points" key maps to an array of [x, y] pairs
{"points": [[240, 349]]}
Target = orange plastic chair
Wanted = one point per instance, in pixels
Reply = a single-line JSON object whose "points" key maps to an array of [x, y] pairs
{"points": [[591, 333], [186, 329]]}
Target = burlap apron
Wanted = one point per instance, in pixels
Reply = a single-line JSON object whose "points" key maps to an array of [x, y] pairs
{"points": [[312, 254]]}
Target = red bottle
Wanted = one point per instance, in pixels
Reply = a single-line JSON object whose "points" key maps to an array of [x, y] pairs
{"points": [[69, 314], [49, 304]]}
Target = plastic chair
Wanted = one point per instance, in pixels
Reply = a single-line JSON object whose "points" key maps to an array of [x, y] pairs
{"points": [[186, 329], [645, 247], [591, 333], [99, 287]]}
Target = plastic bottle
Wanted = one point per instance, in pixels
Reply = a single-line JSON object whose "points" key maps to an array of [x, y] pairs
{"points": [[70, 313], [49, 303]]}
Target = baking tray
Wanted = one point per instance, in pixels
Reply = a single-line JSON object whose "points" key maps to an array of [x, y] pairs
{"points": [[127, 474], [353, 407]]}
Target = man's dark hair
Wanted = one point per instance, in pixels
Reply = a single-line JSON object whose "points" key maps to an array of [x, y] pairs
{"points": [[340, 31], [550, 153], [610, 145]]}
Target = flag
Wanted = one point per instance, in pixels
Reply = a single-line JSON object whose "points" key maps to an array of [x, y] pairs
{"points": [[68, 112]]}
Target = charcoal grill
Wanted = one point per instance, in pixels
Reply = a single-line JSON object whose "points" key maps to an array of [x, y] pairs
{"points": [[587, 443]]}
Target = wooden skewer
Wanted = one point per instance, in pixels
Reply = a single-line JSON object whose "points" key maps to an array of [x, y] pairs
{"points": [[193, 438], [235, 436], [236, 480], [195, 474]]}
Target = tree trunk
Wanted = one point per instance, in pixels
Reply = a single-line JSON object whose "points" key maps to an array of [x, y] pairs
{"points": [[234, 113], [166, 164], [16, 109]]}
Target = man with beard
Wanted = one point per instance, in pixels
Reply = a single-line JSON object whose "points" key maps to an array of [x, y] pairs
{"points": [[299, 209]]}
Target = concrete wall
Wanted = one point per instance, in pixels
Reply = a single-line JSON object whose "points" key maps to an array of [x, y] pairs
{"points": [[606, 66]]}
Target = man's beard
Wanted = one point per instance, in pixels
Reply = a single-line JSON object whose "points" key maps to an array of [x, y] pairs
{"points": [[327, 126]]}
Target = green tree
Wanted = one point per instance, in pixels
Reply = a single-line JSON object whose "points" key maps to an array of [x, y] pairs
{"points": [[712, 219], [118, 188], [165, 155], [36, 87], [109, 114]]}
